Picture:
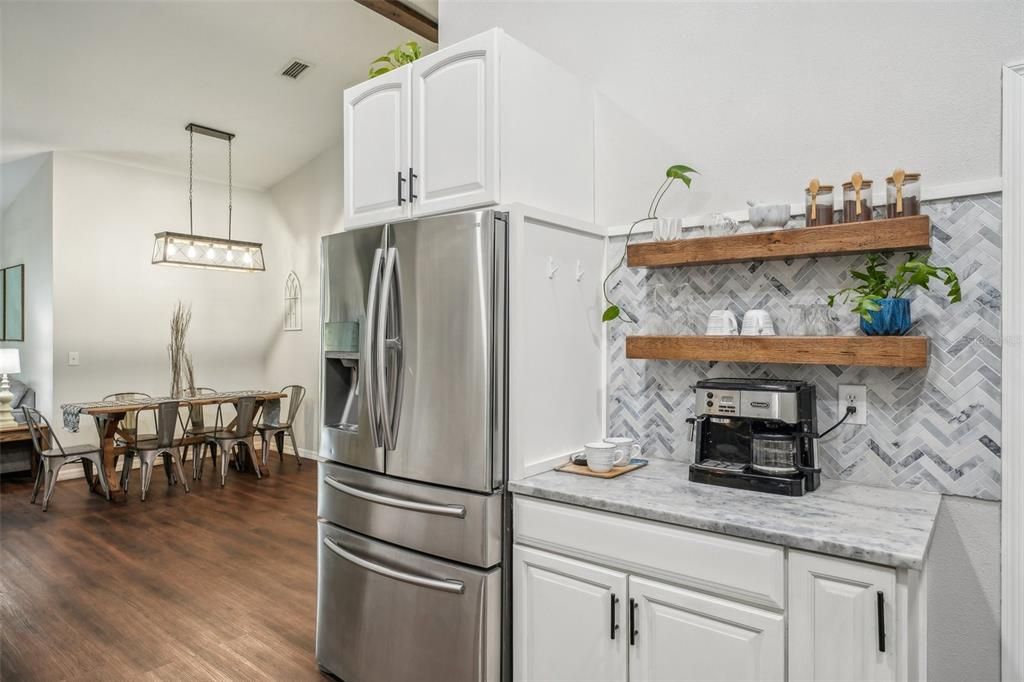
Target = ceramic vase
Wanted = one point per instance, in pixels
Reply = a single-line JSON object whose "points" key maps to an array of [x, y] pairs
{"points": [[892, 320]]}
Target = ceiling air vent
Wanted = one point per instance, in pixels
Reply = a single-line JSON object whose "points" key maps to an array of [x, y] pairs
{"points": [[295, 69]]}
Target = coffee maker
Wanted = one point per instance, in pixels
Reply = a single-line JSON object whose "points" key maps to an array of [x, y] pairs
{"points": [[755, 434]]}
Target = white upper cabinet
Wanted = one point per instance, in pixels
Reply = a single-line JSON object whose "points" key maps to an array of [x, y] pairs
{"points": [[681, 635], [376, 150], [841, 620], [568, 619], [455, 126], [482, 122]]}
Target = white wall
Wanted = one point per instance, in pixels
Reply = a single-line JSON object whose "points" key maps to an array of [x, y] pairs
{"points": [[26, 237], [760, 97], [964, 592], [308, 205], [113, 306]]}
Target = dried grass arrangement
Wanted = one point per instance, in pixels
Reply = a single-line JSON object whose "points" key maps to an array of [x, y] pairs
{"points": [[180, 361]]}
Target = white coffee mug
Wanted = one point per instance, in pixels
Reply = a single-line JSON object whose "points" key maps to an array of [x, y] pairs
{"points": [[757, 323], [722, 323], [625, 449], [601, 456]]}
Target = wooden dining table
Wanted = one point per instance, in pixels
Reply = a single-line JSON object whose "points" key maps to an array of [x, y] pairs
{"points": [[108, 416]]}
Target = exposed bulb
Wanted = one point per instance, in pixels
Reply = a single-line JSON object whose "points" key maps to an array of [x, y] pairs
{"points": [[229, 256], [247, 258], [210, 253], [191, 253], [171, 249]]}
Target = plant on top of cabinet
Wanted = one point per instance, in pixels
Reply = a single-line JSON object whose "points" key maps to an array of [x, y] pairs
{"points": [[878, 299], [404, 54], [676, 172]]}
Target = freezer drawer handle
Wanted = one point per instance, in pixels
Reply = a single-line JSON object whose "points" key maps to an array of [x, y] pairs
{"points": [[453, 510], [446, 585]]}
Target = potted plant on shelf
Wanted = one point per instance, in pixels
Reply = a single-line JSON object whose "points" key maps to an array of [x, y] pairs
{"points": [[879, 298], [676, 172]]}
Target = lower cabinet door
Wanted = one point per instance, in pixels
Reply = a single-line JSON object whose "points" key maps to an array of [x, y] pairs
{"points": [[569, 619], [682, 635], [841, 619]]}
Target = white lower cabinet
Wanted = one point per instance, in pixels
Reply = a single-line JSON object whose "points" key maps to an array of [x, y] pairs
{"points": [[760, 612], [681, 635], [567, 619], [842, 620], [577, 621]]}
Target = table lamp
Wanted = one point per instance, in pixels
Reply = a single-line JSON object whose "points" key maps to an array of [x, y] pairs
{"points": [[10, 363]]}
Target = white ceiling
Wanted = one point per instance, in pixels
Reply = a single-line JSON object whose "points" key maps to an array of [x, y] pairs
{"points": [[121, 80]]}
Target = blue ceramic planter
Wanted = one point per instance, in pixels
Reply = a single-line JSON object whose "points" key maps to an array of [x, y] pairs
{"points": [[892, 320]]}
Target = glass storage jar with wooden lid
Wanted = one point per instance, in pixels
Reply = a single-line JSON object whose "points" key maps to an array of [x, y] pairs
{"points": [[902, 194], [857, 203], [819, 204]]}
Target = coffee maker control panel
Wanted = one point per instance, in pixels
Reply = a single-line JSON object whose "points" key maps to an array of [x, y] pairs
{"points": [[718, 403], [766, 405]]}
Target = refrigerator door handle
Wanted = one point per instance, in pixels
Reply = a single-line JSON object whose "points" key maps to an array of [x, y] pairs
{"points": [[454, 510], [370, 354], [390, 393], [444, 584]]}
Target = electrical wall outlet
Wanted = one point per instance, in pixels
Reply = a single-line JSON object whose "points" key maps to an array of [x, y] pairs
{"points": [[73, 358], [857, 396]]}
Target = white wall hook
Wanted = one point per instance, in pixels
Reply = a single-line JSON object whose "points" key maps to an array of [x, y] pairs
{"points": [[579, 271], [552, 267]]}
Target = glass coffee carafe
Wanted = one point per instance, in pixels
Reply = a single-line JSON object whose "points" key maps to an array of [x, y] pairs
{"points": [[773, 453]]}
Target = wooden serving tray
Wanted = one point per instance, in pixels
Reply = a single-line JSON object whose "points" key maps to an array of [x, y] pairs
{"points": [[582, 469]]}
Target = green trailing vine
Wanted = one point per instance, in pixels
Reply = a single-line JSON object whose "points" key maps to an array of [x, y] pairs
{"points": [[677, 172], [405, 53], [876, 284]]}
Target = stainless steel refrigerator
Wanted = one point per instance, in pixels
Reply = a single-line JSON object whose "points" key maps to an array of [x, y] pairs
{"points": [[412, 517]]}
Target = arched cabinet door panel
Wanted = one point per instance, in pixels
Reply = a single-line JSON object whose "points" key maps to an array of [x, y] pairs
{"points": [[376, 147], [455, 121]]}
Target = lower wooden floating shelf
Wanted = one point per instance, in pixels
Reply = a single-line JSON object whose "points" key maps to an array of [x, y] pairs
{"points": [[871, 351]]}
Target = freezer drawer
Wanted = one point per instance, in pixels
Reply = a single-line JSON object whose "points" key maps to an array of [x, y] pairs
{"points": [[453, 524], [385, 613]]}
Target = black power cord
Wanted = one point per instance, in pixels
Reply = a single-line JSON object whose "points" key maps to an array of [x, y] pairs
{"points": [[850, 409]]}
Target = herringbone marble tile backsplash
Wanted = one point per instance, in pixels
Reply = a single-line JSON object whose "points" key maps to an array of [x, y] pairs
{"points": [[934, 429]]}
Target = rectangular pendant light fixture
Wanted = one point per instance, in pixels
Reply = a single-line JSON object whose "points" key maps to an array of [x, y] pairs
{"points": [[201, 251], [196, 251]]}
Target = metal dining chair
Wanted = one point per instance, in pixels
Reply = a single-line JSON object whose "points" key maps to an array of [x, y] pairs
{"points": [[241, 434], [198, 430], [128, 431], [273, 426], [56, 456], [164, 444]]}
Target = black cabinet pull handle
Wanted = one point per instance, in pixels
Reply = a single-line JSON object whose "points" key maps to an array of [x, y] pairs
{"points": [[615, 614], [412, 181], [633, 632], [401, 181], [881, 621]]}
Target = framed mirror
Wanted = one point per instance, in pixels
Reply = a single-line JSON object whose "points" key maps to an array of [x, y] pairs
{"points": [[13, 285]]}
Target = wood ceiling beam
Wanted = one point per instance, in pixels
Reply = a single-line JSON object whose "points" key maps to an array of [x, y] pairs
{"points": [[405, 16]]}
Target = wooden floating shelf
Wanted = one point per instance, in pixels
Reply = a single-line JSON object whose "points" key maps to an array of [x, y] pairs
{"points": [[871, 351], [891, 234]]}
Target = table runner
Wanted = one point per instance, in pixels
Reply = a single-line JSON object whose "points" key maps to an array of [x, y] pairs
{"points": [[72, 412]]}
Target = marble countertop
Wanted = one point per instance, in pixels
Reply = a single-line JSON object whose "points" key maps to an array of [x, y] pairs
{"points": [[879, 525]]}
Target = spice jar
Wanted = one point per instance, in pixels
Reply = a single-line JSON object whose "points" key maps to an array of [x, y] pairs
{"points": [[856, 202], [819, 208], [905, 199]]}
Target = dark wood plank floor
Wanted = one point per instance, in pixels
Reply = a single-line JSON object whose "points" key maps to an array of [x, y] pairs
{"points": [[217, 584]]}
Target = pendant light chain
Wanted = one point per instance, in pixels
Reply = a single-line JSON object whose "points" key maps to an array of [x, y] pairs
{"points": [[229, 189], [191, 137], [202, 249]]}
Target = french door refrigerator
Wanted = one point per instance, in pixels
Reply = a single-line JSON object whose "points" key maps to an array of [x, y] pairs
{"points": [[412, 515]]}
